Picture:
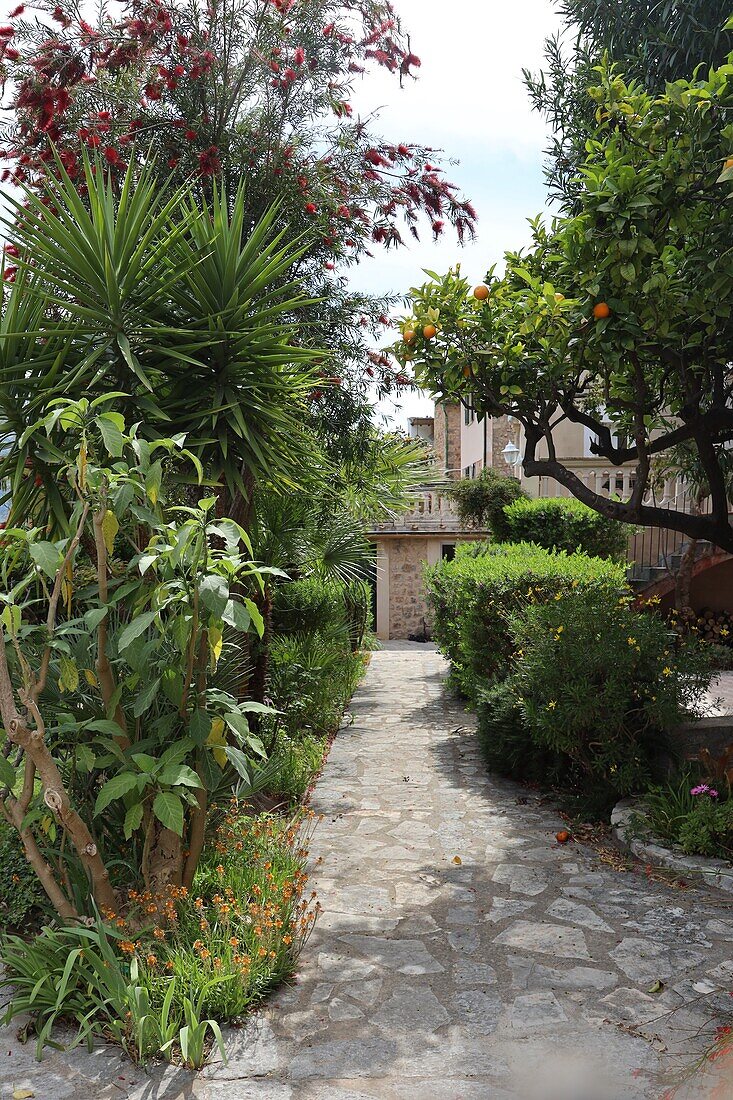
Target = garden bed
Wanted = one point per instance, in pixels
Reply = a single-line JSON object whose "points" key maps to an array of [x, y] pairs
{"points": [[627, 824]]}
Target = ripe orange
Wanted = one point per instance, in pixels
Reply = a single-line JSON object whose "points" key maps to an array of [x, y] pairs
{"points": [[563, 836], [466, 372], [601, 310], [408, 335], [729, 163], [429, 332], [481, 292]]}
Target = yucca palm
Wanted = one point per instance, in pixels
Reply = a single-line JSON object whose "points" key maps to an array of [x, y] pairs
{"points": [[138, 290]]}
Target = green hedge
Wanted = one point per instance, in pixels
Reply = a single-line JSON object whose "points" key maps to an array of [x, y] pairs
{"points": [[314, 606], [474, 596], [562, 523]]}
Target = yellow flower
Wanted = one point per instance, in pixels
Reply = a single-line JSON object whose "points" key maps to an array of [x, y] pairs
{"points": [[667, 671], [560, 629], [631, 641], [551, 705]]}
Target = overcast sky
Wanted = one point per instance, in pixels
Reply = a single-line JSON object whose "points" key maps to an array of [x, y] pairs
{"points": [[470, 101]]}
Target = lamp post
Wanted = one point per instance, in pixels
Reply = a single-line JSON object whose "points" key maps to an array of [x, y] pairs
{"points": [[511, 455]]}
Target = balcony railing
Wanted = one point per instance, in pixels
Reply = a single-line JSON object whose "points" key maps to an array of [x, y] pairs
{"points": [[431, 512]]}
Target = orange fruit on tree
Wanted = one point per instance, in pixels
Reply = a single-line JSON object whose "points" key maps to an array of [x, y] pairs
{"points": [[481, 292], [466, 372], [429, 332], [729, 163], [408, 335], [601, 310]]}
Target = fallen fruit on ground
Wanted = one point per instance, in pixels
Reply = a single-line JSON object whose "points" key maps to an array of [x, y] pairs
{"points": [[563, 836]]}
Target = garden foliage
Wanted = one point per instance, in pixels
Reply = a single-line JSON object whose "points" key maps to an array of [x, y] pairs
{"points": [[480, 502], [474, 597], [562, 523]]}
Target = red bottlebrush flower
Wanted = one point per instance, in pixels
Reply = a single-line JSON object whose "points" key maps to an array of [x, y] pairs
{"points": [[302, 181], [104, 114], [182, 41], [17, 11], [59, 16], [86, 28], [179, 70], [328, 30], [376, 158], [209, 161], [343, 211], [153, 91], [311, 208], [111, 155], [190, 135], [82, 134], [63, 99], [370, 372], [299, 56], [7, 32], [11, 250], [11, 55], [274, 66], [438, 227], [136, 124], [290, 75], [94, 141], [9, 274], [172, 162], [329, 266], [403, 150]]}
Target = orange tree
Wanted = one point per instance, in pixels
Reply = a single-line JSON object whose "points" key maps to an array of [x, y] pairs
{"points": [[620, 313]]}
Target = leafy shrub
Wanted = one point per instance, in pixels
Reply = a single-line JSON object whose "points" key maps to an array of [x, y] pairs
{"points": [[20, 891], [473, 597], [701, 823], [506, 740], [562, 523], [314, 605], [601, 682], [480, 501], [312, 675], [159, 978]]}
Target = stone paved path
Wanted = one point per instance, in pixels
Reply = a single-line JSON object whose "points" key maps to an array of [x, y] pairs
{"points": [[462, 953]]}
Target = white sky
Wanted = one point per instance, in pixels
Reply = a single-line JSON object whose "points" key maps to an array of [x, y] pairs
{"points": [[470, 101]]}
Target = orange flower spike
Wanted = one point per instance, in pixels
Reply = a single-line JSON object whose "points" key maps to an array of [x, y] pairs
{"points": [[151, 960]]}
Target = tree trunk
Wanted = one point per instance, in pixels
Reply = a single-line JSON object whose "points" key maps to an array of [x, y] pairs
{"points": [[165, 860], [683, 579]]}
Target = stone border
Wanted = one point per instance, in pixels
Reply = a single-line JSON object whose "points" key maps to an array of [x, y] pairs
{"points": [[713, 872]]}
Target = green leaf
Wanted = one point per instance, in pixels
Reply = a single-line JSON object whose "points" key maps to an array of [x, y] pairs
{"points": [[238, 760], [48, 557], [199, 726], [135, 628], [179, 775], [114, 788], [85, 758], [235, 614], [145, 698], [111, 431], [133, 819], [168, 809], [94, 616], [214, 593], [7, 773]]}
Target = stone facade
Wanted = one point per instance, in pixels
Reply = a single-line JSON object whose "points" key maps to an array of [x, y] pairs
{"points": [[408, 610], [502, 432], [448, 437]]}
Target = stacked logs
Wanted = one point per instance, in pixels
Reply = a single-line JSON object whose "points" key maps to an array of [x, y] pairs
{"points": [[709, 625]]}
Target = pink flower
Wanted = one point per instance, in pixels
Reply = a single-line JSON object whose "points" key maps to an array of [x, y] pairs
{"points": [[703, 788]]}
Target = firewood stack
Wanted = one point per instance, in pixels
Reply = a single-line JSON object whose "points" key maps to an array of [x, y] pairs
{"points": [[711, 626]]}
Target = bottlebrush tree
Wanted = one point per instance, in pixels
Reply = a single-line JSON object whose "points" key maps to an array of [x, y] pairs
{"points": [[232, 88]]}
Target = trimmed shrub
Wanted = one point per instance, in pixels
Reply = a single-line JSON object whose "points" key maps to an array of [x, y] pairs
{"points": [[506, 740], [563, 523], [602, 683], [312, 606], [474, 596], [480, 501]]}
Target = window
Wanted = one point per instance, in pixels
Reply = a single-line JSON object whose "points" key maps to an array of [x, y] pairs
{"points": [[448, 551]]}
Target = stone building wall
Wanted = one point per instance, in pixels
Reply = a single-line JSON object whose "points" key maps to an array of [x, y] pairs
{"points": [[407, 604], [502, 433], [448, 437]]}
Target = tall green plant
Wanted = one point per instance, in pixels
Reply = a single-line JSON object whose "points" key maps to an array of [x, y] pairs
{"points": [[109, 641], [174, 306]]}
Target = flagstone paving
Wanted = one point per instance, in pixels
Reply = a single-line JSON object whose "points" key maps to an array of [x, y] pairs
{"points": [[462, 953]]}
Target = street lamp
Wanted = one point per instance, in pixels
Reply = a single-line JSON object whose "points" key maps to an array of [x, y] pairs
{"points": [[511, 455]]}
